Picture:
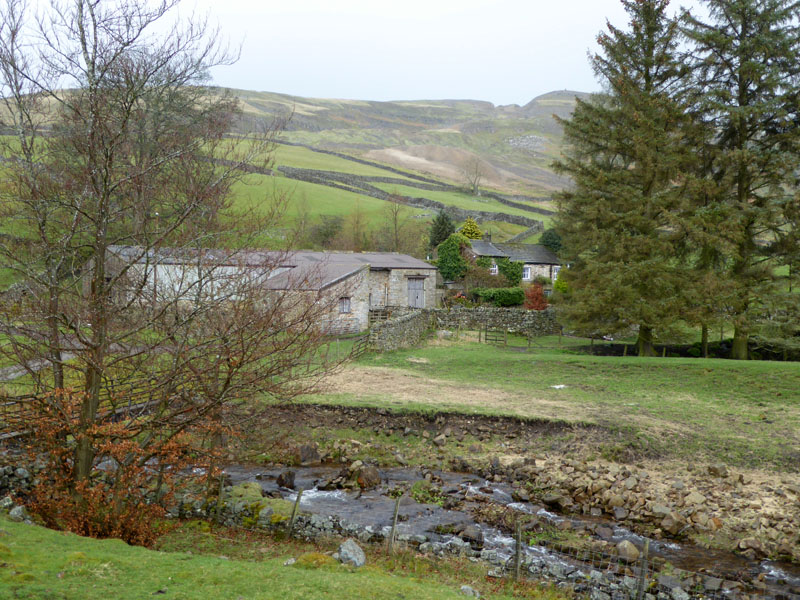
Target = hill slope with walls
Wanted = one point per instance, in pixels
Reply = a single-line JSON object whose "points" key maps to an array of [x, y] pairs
{"points": [[514, 145]]}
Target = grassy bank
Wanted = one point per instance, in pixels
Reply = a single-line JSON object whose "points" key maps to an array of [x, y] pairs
{"points": [[745, 413], [196, 562]]}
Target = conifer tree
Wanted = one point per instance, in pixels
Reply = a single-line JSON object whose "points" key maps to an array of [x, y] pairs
{"points": [[625, 157], [745, 68], [471, 230], [441, 229]]}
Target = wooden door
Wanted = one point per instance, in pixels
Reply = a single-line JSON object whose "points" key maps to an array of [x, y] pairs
{"points": [[416, 292]]}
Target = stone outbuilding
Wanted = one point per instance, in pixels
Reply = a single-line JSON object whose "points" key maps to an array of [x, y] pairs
{"points": [[361, 281], [537, 261]]}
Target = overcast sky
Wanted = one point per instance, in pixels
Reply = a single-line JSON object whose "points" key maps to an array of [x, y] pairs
{"points": [[503, 51]]}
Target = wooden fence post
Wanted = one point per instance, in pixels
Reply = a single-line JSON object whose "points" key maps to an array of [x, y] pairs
{"points": [[294, 512], [394, 524], [518, 551]]}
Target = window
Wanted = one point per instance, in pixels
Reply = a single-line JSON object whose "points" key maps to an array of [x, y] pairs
{"points": [[344, 305], [555, 272], [493, 269], [526, 273]]}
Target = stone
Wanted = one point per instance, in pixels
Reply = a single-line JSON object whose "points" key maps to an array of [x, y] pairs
{"points": [[678, 593], [308, 454], [695, 498], [286, 480], [369, 477], [604, 533], [712, 584], [289, 562], [18, 514], [630, 483], [552, 499], [598, 594], [751, 543], [265, 515], [22, 473], [440, 440], [718, 470], [521, 495], [627, 551], [672, 523], [351, 553], [6, 503], [473, 535], [355, 466], [616, 500], [660, 511], [468, 591], [620, 514]]}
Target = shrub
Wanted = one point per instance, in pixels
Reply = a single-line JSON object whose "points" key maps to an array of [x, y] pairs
{"points": [[535, 298], [130, 484], [471, 230], [451, 262], [511, 270], [513, 296], [551, 240]]}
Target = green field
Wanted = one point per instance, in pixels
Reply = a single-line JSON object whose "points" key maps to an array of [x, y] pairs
{"points": [[742, 413], [44, 564]]}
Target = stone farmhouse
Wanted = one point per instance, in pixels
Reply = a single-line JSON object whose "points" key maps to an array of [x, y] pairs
{"points": [[537, 261], [362, 282]]}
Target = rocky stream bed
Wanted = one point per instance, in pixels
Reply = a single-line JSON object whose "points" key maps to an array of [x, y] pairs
{"points": [[606, 563]]}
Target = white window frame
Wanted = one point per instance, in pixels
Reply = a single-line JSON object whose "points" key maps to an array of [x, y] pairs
{"points": [[493, 269], [556, 269], [527, 273], [344, 305]]}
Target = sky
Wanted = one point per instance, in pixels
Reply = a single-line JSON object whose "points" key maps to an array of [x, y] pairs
{"points": [[501, 51]]}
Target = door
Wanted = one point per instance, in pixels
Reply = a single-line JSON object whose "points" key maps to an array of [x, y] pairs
{"points": [[416, 292]]}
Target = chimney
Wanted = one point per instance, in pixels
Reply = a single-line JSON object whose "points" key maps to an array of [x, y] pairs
{"points": [[487, 237]]}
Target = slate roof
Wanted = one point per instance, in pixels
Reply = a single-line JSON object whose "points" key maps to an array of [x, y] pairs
{"points": [[525, 253], [299, 270]]}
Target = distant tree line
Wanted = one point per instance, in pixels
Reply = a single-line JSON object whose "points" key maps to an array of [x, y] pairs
{"points": [[684, 205]]}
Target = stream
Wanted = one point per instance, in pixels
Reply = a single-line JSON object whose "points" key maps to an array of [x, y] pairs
{"points": [[373, 509]]}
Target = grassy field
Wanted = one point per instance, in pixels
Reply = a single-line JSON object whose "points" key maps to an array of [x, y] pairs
{"points": [[196, 563], [743, 413]]}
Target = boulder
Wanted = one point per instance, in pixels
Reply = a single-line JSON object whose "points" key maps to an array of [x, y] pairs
{"points": [[440, 440], [695, 498], [351, 553], [673, 523], [368, 477], [627, 551], [308, 454], [468, 591], [718, 470], [473, 535], [18, 514], [620, 514], [286, 480]]}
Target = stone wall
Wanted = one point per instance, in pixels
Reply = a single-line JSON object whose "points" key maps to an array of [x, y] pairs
{"points": [[409, 329], [356, 288], [529, 322], [401, 332]]}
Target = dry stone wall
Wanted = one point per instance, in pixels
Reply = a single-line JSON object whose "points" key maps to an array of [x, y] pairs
{"points": [[409, 329]]}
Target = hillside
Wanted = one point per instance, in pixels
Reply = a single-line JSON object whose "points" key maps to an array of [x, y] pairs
{"points": [[514, 144]]}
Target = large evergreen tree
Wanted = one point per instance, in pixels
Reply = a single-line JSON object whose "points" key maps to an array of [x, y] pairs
{"points": [[625, 157], [745, 67], [441, 229]]}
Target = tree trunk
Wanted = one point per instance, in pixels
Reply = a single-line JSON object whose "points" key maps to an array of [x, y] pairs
{"points": [[739, 347], [644, 343], [704, 340]]}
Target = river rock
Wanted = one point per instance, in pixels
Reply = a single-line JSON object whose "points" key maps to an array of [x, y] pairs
{"points": [[351, 553], [627, 551], [473, 535], [672, 523], [368, 477], [308, 454], [616, 500], [440, 440], [286, 480], [620, 514]]}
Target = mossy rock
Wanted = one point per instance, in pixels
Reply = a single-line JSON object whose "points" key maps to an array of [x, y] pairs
{"points": [[249, 492], [314, 560]]}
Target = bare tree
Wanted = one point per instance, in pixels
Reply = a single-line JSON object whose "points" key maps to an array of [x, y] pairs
{"points": [[473, 171], [118, 161]]}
